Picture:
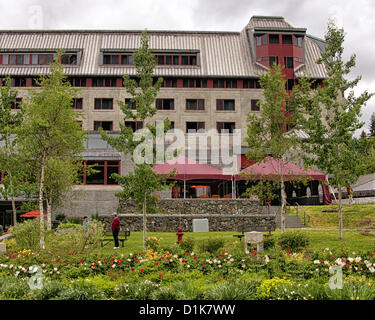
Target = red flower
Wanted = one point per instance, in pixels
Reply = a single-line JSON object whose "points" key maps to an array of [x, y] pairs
{"points": [[98, 260], [57, 260], [169, 260], [142, 270], [152, 255], [187, 254], [81, 261], [161, 276], [119, 263], [204, 265], [94, 264], [342, 251], [371, 255], [183, 260], [95, 254], [112, 259], [67, 263], [289, 252], [221, 255], [195, 258], [103, 260], [139, 254], [308, 257], [161, 258], [156, 263], [69, 254], [254, 253], [111, 265], [135, 259], [132, 269]]}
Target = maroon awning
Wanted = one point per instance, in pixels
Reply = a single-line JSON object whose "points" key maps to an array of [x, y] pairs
{"points": [[269, 169], [188, 169]]}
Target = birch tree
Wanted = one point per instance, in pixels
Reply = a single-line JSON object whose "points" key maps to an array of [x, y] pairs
{"points": [[50, 129]]}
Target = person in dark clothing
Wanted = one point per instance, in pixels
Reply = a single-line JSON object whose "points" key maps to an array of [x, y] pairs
{"points": [[115, 229]]}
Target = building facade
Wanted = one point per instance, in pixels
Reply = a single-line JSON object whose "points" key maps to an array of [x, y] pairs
{"points": [[211, 81]]}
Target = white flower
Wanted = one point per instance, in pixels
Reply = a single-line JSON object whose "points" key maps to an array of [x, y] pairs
{"points": [[317, 262], [326, 262], [350, 259], [188, 266], [11, 266], [219, 265], [130, 254], [55, 269], [358, 259]]}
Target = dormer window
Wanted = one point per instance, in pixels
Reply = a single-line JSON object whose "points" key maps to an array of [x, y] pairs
{"points": [[36, 59]]}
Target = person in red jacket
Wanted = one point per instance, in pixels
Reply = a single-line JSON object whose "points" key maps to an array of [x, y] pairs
{"points": [[115, 229]]}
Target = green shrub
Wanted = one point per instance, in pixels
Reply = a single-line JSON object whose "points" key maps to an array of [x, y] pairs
{"points": [[293, 241], [69, 225], [211, 245], [81, 290], [269, 243], [187, 290], [164, 293], [140, 290], [187, 244], [27, 234], [15, 289], [153, 243], [239, 290], [60, 217], [51, 289]]}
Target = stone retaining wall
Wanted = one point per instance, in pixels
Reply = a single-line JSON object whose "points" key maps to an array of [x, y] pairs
{"points": [[202, 206], [170, 222]]}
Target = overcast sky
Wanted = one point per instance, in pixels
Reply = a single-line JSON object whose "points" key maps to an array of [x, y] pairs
{"points": [[356, 17]]}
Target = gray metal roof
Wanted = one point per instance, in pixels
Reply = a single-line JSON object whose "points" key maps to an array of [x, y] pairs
{"points": [[222, 54]]}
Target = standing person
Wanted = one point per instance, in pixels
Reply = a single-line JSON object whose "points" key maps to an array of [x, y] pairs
{"points": [[115, 229]]}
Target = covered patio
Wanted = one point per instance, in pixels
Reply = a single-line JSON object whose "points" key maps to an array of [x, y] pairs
{"points": [[270, 169], [197, 180]]}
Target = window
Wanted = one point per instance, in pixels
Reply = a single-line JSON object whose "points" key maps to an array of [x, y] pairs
{"points": [[193, 127], [118, 59], [131, 104], [77, 82], [105, 125], [194, 83], [254, 105], [104, 170], [248, 83], [103, 104], [274, 60], [222, 83], [104, 82], [287, 39], [261, 40], [182, 60], [225, 105], [19, 82], [298, 41], [169, 83], [165, 104], [225, 127], [16, 104], [134, 125], [70, 59], [194, 104], [274, 39], [77, 103], [289, 84], [288, 62]]}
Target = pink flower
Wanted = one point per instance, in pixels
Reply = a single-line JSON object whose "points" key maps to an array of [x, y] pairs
{"points": [[161, 258], [161, 276], [204, 264]]}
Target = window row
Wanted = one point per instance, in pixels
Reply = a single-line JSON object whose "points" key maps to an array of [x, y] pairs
{"points": [[191, 126], [161, 59], [117, 82], [288, 61], [36, 59], [286, 39]]}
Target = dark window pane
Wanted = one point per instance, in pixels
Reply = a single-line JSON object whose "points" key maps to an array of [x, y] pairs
{"points": [[274, 38], [124, 59], [96, 178], [12, 59], [19, 59], [193, 60], [185, 83], [184, 60], [49, 58], [73, 59], [161, 60], [254, 105], [159, 104], [219, 105], [229, 105], [113, 163], [78, 103], [106, 59], [115, 59], [107, 104], [287, 39], [168, 60], [34, 59], [176, 60], [191, 104], [65, 59], [98, 104], [200, 104], [131, 104], [130, 60], [111, 170]]}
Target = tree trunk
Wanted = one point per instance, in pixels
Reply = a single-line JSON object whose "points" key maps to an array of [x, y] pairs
{"points": [[144, 224], [41, 211], [283, 206], [340, 213], [12, 198], [49, 213]]}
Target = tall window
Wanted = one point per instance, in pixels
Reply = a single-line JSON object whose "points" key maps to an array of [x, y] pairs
{"points": [[103, 104], [77, 103], [194, 104], [106, 125], [261, 40], [164, 104], [288, 62], [254, 105], [193, 127], [131, 104], [225, 127], [274, 60], [225, 105], [104, 170], [274, 39]]}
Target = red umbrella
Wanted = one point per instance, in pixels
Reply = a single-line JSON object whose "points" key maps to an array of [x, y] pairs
{"points": [[32, 214]]}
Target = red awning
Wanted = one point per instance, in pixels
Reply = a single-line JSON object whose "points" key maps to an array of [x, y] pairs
{"points": [[188, 169], [269, 168], [32, 214]]}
